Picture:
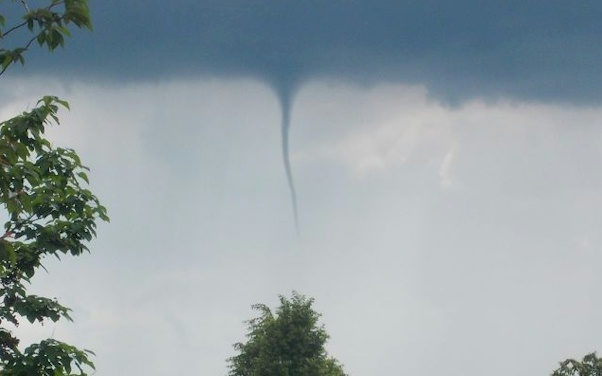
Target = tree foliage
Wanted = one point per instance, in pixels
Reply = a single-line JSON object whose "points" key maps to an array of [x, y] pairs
{"points": [[591, 365], [48, 210], [289, 342], [46, 25]]}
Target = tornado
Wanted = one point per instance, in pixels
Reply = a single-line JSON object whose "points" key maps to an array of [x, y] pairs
{"points": [[285, 94]]}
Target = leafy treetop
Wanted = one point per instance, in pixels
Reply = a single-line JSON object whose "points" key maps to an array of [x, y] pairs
{"points": [[289, 342], [591, 365]]}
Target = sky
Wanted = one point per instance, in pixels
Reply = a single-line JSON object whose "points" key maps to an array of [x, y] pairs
{"points": [[444, 156]]}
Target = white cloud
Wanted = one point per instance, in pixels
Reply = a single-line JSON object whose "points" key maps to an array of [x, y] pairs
{"points": [[425, 228], [382, 129], [374, 130]]}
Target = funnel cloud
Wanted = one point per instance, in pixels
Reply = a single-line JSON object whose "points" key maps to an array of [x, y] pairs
{"points": [[285, 96]]}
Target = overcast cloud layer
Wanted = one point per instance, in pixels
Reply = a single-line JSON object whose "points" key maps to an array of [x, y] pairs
{"points": [[466, 234], [458, 49]]}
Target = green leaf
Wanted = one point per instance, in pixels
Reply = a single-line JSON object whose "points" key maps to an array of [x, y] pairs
{"points": [[6, 60], [7, 253], [62, 103], [41, 38]]}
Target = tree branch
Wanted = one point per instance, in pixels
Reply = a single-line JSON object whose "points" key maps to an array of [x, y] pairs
{"points": [[25, 5], [49, 7], [13, 29], [23, 50]]}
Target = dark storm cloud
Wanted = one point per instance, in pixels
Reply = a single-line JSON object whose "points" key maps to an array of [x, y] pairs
{"points": [[459, 49], [525, 49]]}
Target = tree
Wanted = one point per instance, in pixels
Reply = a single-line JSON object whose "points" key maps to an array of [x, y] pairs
{"points": [[591, 365], [48, 210], [287, 343]]}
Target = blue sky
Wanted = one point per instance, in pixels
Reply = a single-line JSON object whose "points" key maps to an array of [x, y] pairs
{"points": [[445, 160]]}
